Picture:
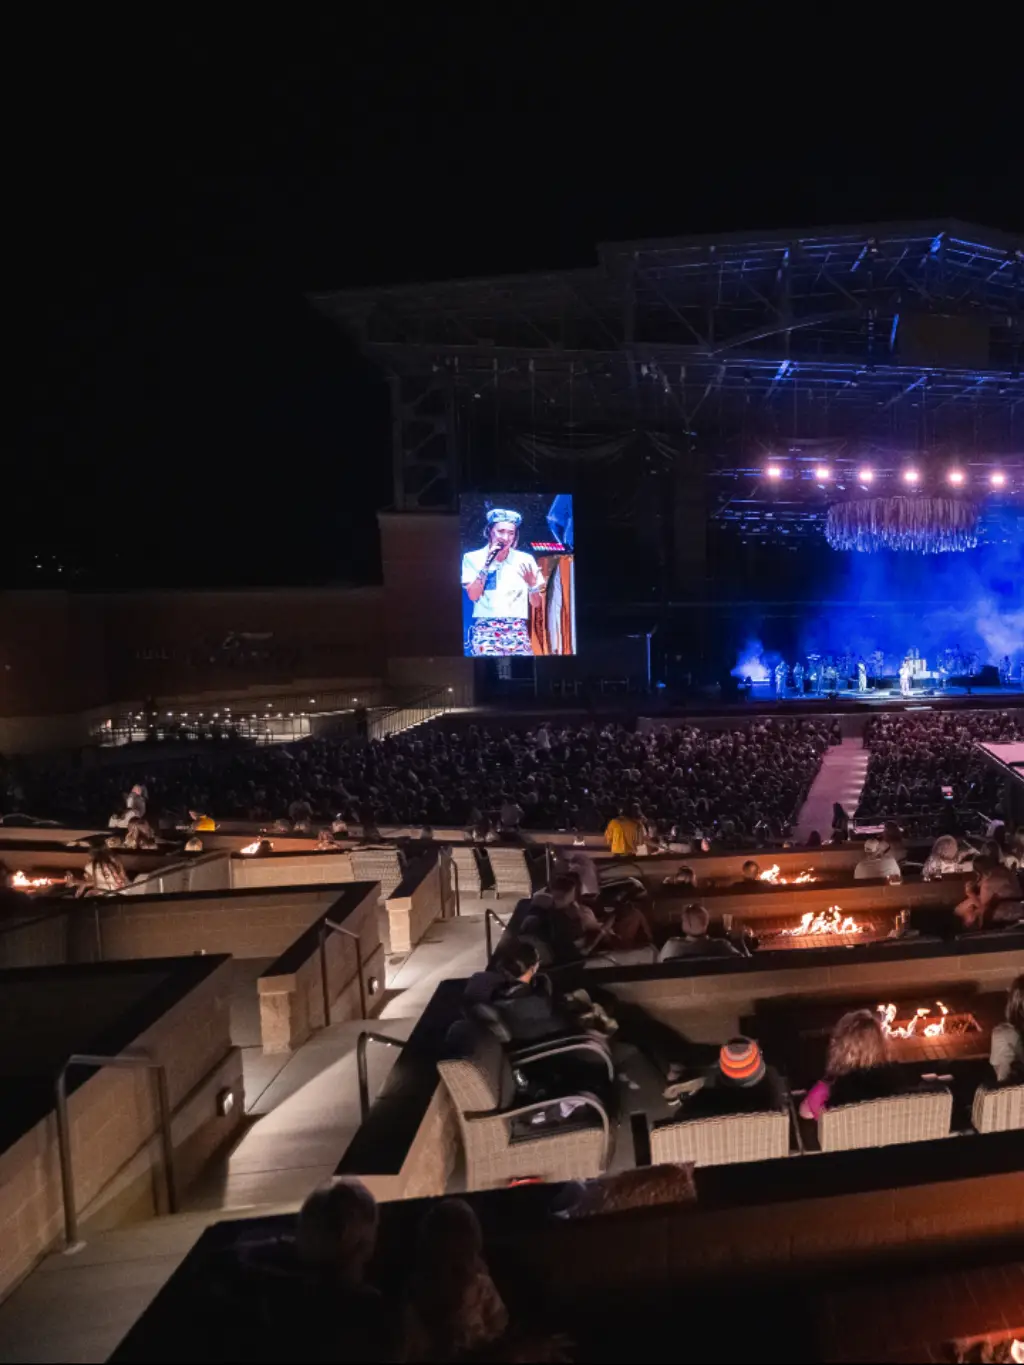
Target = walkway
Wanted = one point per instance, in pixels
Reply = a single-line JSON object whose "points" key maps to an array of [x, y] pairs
{"points": [[841, 778]]}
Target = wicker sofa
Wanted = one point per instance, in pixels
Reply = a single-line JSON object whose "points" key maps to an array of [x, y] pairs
{"points": [[917, 1117], [998, 1110], [721, 1141]]}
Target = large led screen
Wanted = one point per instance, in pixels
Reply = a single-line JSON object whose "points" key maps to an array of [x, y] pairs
{"points": [[518, 575]]}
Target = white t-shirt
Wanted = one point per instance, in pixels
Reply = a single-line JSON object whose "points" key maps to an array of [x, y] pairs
{"points": [[506, 593]]}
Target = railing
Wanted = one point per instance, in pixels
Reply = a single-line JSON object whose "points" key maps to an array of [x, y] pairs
{"points": [[394, 719], [364, 1082], [67, 1174], [328, 926], [490, 915], [453, 868]]}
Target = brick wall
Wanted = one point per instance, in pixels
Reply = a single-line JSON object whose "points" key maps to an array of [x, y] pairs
{"points": [[113, 1118], [291, 989], [410, 915], [298, 869]]}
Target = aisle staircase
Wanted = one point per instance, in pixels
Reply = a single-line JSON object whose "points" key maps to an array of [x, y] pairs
{"points": [[841, 778]]}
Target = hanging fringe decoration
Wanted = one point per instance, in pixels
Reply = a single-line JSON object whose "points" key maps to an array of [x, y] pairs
{"points": [[923, 524]]}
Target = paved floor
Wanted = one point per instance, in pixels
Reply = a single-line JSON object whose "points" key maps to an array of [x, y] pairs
{"points": [[840, 778]]}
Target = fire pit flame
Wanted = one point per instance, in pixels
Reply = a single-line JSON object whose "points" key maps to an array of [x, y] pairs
{"points": [[773, 876], [910, 1030], [22, 883], [830, 921], [254, 847]]}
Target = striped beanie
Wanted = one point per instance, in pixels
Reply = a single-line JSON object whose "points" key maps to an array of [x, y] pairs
{"points": [[740, 1062]]}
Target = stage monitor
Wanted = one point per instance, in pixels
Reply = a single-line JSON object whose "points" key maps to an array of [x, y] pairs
{"points": [[518, 575]]}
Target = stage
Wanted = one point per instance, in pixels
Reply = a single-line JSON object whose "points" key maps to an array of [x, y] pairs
{"points": [[886, 698]]}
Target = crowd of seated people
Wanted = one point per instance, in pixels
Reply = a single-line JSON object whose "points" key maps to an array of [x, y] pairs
{"points": [[925, 766], [742, 787], [317, 1294]]}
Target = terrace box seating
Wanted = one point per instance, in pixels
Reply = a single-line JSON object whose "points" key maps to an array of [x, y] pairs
{"points": [[498, 1148], [882, 1123]]}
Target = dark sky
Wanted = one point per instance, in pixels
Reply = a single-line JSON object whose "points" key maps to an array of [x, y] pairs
{"points": [[179, 414]]}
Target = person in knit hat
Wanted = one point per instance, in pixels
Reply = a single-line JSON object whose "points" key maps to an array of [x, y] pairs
{"points": [[741, 1083]]}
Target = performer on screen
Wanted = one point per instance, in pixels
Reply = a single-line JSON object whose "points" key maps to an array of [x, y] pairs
{"points": [[501, 582]]}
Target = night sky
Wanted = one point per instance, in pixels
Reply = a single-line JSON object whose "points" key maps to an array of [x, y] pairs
{"points": [[180, 416]]}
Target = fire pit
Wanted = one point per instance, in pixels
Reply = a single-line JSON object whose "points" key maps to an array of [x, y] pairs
{"points": [[774, 877], [20, 882], [829, 928]]}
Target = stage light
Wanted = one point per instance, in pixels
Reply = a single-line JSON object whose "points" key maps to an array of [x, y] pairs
{"points": [[822, 473], [865, 475], [773, 471], [997, 478], [910, 476], [956, 476]]}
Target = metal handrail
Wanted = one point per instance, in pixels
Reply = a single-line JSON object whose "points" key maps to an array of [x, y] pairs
{"points": [[329, 926], [453, 868], [489, 915], [67, 1175], [367, 1036]]}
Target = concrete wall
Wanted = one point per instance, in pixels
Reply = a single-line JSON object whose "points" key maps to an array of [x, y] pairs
{"points": [[114, 1127]]}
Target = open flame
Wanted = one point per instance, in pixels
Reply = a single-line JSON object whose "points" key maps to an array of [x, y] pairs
{"points": [[254, 847], [774, 878], [830, 921], [1017, 1351], [22, 883], [914, 1027]]}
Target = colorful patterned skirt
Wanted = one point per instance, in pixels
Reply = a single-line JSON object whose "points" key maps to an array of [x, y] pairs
{"points": [[500, 636]]}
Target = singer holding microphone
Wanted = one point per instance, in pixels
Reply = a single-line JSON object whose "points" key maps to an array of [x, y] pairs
{"points": [[501, 582]]}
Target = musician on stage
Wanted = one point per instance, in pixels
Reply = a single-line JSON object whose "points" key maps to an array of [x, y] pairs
{"points": [[780, 679], [798, 678], [862, 676], [501, 582], [905, 678]]}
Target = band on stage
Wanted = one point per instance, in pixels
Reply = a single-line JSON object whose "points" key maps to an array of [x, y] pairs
{"points": [[825, 674]]}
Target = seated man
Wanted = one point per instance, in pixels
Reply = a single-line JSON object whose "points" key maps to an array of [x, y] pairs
{"points": [[751, 874], [512, 1000], [695, 942], [877, 862], [739, 1084], [993, 897], [683, 876], [563, 928]]}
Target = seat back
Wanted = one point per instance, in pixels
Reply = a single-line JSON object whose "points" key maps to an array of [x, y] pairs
{"points": [[511, 871], [882, 1123], [721, 1141], [382, 865], [997, 1111]]}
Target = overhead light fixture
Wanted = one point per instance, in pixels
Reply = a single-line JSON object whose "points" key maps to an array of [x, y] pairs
{"points": [[956, 476], [823, 473], [911, 476], [865, 475], [997, 478], [773, 472]]}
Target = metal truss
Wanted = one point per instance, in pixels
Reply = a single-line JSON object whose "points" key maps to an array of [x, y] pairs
{"points": [[893, 336]]}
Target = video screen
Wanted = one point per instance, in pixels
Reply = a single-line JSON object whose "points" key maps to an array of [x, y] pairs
{"points": [[518, 575]]}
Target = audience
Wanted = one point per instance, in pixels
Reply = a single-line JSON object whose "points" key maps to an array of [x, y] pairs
{"points": [[695, 941], [104, 871], [512, 1000], [993, 897], [917, 759], [735, 788], [857, 1067], [877, 862], [946, 858], [1007, 1048], [452, 1306]]}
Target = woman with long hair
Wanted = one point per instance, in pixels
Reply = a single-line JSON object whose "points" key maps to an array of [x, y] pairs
{"points": [[857, 1066], [1007, 1048]]}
